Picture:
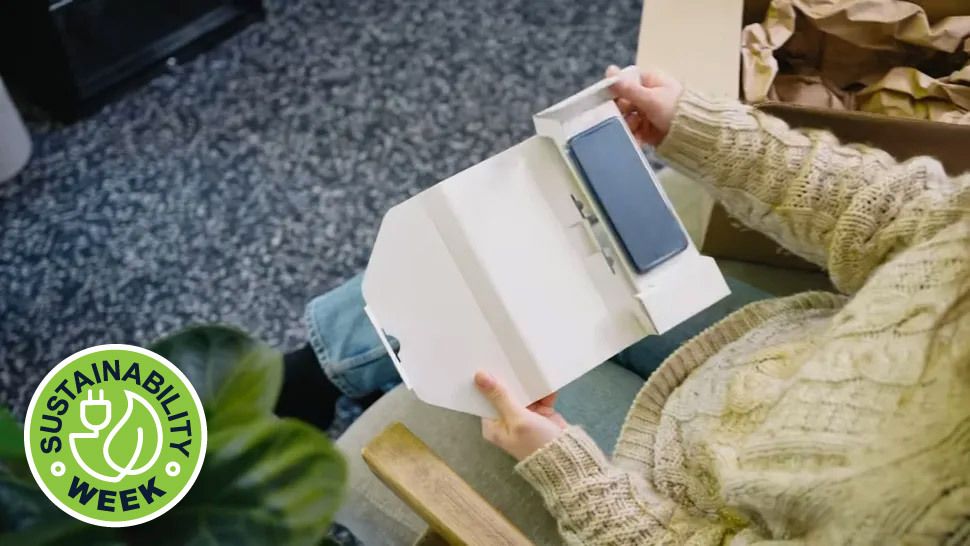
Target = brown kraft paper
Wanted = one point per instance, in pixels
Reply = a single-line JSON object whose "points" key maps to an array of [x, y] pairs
{"points": [[864, 55]]}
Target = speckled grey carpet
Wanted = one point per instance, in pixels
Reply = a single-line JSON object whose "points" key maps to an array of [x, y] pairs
{"points": [[236, 187]]}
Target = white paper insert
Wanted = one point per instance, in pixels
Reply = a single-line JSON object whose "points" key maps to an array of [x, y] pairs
{"points": [[496, 269]]}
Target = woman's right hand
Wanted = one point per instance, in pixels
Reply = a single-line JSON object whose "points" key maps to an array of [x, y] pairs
{"points": [[648, 105], [520, 431]]}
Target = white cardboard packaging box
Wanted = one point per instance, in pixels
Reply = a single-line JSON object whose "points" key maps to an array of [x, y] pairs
{"points": [[507, 267]]}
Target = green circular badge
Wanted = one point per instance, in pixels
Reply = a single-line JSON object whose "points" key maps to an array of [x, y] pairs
{"points": [[115, 435]]}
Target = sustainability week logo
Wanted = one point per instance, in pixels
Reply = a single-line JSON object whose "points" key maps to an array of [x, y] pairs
{"points": [[115, 435]]}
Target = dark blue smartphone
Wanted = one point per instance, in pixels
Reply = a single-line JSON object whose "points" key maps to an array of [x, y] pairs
{"points": [[627, 194]]}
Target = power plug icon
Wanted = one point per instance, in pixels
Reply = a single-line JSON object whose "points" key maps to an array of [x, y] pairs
{"points": [[93, 405]]}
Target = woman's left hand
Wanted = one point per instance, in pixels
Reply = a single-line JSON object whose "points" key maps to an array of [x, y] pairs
{"points": [[519, 431]]}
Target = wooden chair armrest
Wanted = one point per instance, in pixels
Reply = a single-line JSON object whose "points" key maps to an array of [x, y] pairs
{"points": [[452, 509]]}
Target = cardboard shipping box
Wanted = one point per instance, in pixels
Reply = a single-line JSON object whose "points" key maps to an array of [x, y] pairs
{"points": [[699, 42]]}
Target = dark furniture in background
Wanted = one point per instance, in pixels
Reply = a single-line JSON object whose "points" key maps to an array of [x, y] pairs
{"points": [[72, 56]]}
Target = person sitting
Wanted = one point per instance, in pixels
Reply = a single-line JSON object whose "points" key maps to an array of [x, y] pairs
{"points": [[818, 418]]}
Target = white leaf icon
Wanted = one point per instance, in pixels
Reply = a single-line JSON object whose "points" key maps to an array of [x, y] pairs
{"points": [[127, 469]]}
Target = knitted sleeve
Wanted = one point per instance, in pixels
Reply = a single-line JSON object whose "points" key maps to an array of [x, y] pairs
{"points": [[847, 208], [597, 503]]}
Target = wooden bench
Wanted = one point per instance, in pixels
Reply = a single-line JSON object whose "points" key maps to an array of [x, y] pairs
{"points": [[454, 512]]}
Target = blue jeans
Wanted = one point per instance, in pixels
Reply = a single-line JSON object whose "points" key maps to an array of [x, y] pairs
{"points": [[355, 360]]}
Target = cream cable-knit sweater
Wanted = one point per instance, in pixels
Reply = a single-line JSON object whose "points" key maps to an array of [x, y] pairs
{"points": [[812, 419]]}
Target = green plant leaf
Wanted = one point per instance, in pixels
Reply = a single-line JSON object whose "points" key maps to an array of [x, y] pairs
{"points": [[21, 503], [270, 481], [19, 495], [66, 532], [237, 377], [62, 530], [11, 436], [28, 518]]}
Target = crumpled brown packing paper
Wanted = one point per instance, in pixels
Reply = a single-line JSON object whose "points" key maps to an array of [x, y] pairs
{"points": [[860, 55]]}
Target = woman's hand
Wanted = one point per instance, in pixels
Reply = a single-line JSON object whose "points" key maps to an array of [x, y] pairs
{"points": [[519, 431], [647, 105]]}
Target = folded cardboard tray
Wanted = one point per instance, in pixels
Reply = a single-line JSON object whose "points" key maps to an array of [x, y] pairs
{"points": [[700, 43], [508, 267]]}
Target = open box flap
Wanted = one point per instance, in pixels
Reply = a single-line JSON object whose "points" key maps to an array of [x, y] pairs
{"points": [[415, 293], [562, 119], [491, 270], [697, 42], [497, 269]]}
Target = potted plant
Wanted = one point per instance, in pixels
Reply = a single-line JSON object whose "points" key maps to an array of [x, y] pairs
{"points": [[265, 480]]}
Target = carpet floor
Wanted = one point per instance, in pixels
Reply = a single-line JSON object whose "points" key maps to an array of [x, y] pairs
{"points": [[237, 186]]}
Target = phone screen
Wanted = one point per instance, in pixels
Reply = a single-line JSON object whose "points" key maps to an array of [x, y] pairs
{"points": [[627, 193]]}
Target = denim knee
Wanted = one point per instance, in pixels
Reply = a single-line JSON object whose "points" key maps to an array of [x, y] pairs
{"points": [[345, 343]]}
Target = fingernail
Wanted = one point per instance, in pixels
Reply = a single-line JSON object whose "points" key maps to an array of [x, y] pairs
{"points": [[483, 380]]}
